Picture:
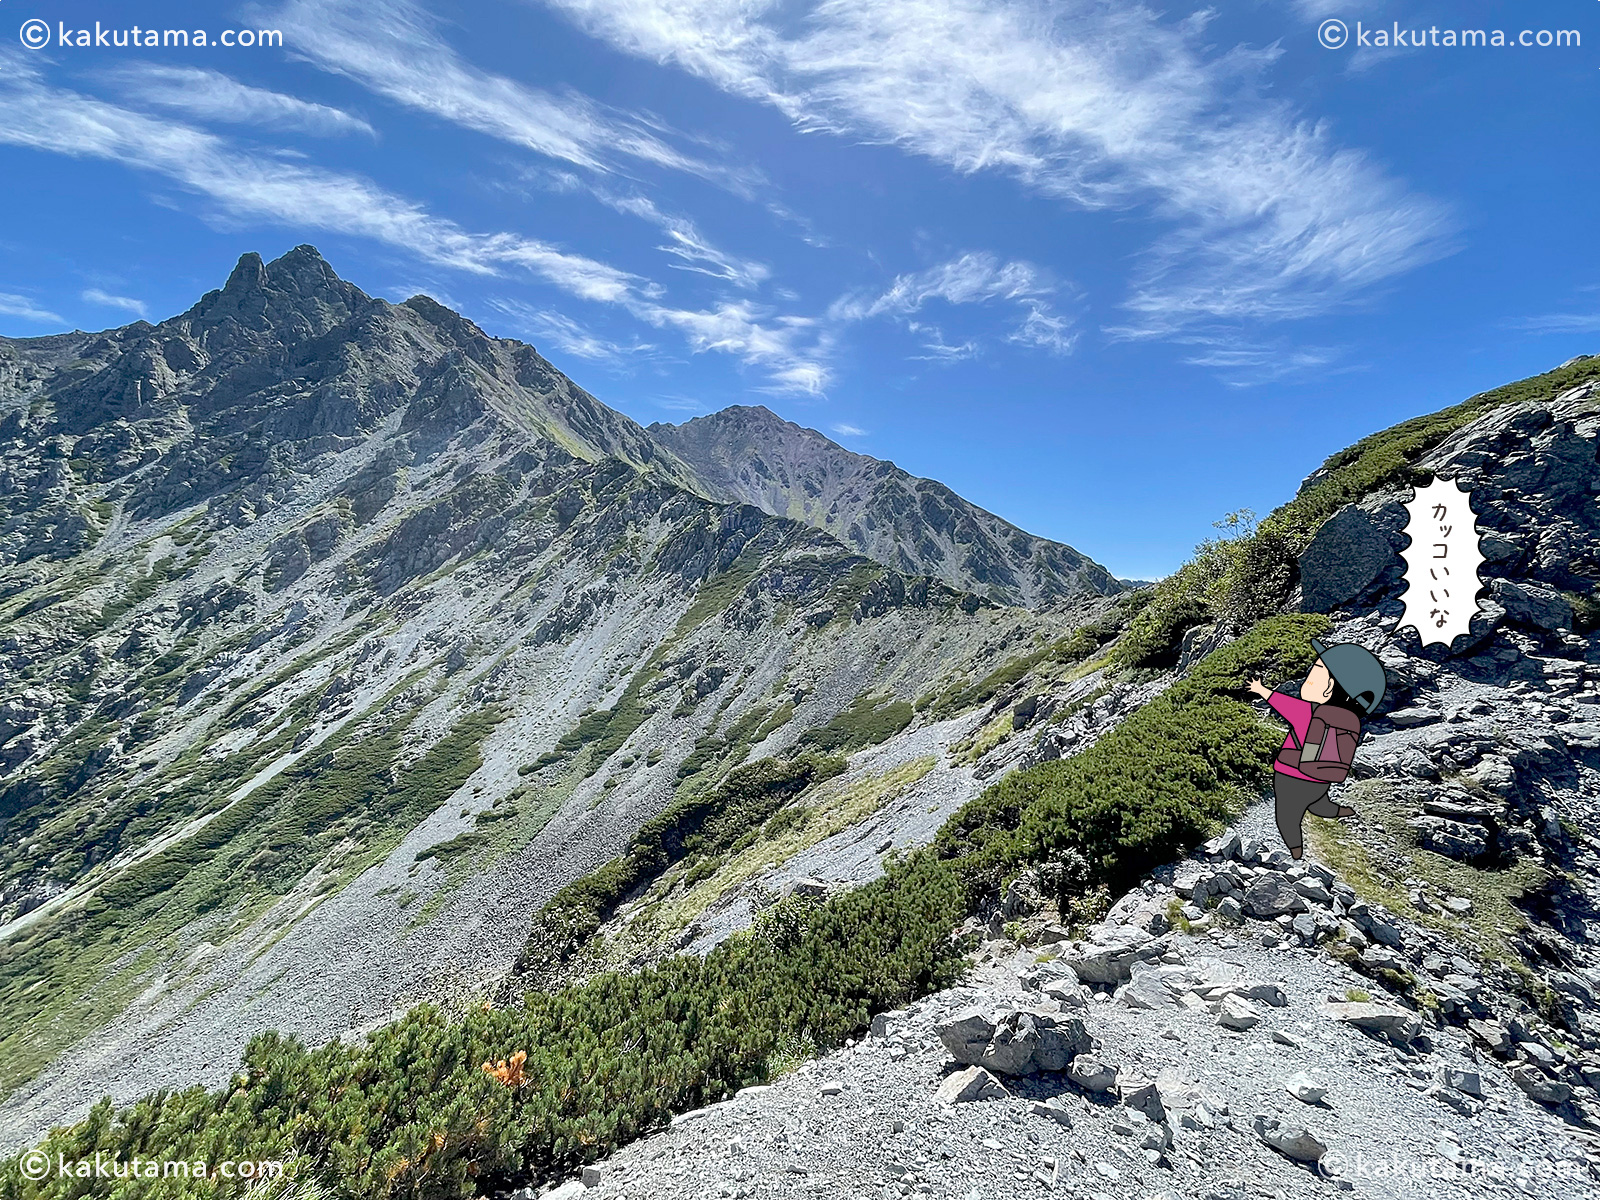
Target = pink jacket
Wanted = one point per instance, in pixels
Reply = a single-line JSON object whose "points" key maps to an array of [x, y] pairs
{"points": [[1321, 743]]}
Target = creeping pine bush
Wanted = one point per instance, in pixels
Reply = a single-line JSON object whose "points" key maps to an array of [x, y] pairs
{"points": [[412, 1112]]}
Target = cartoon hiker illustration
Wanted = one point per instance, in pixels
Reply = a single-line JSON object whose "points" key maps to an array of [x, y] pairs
{"points": [[1344, 685]]}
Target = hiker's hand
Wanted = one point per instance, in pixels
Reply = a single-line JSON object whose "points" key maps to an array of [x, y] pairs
{"points": [[1260, 689]]}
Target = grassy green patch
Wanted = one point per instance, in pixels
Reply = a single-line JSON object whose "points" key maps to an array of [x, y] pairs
{"points": [[832, 809], [1078, 646], [867, 722], [1496, 892], [697, 825]]}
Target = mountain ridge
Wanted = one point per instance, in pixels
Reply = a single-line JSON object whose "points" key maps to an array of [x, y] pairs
{"points": [[913, 524]]}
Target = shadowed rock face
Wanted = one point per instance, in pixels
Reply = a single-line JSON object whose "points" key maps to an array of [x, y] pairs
{"points": [[918, 526]]}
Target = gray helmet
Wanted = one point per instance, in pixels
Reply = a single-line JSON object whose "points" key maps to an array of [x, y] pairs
{"points": [[1356, 669]]}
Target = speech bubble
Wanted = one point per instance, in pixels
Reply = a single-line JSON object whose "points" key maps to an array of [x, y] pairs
{"points": [[1441, 563]]}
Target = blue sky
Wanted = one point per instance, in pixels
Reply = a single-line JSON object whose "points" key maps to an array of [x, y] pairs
{"points": [[1110, 271]]}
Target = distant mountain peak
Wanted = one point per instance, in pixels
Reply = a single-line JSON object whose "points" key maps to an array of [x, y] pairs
{"points": [[919, 526]]}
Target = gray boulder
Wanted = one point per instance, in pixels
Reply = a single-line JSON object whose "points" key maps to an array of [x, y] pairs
{"points": [[1020, 1043], [1068, 993], [1238, 1013], [1141, 1095], [1273, 896], [1304, 1088], [1398, 1025], [1110, 961], [1348, 554], [966, 1035], [1529, 604], [1536, 1085], [1454, 839], [1462, 1079]]}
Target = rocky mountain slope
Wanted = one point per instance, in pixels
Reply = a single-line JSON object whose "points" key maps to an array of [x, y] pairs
{"points": [[338, 636], [919, 526]]}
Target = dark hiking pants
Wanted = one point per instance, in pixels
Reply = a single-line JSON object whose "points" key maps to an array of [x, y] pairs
{"points": [[1293, 799]]}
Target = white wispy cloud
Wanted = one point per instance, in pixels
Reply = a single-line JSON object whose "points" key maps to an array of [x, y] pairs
{"points": [[936, 349], [1098, 104], [13, 305], [844, 430], [968, 279], [566, 335], [396, 49], [1560, 323], [1242, 363], [793, 350], [240, 185], [210, 96], [107, 300], [1320, 10], [685, 243]]}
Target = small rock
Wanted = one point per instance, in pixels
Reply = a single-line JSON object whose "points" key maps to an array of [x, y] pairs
{"points": [[971, 1083], [1091, 1073], [884, 846], [1068, 993], [1141, 1095], [1491, 1034], [1381, 958], [1459, 905], [1462, 1080], [1408, 718], [570, 1190], [832, 1088], [1292, 1141], [1313, 890], [1304, 1088], [1237, 1013], [1397, 1024], [1537, 1086], [966, 1034], [593, 1175], [1226, 846], [1055, 1109]]}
